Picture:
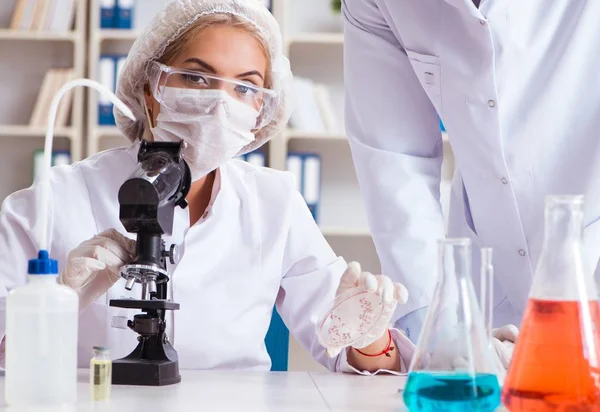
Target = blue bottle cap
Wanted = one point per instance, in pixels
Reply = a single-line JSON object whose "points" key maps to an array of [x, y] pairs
{"points": [[43, 265]]}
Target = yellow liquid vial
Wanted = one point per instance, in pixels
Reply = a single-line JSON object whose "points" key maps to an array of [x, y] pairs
{"points": [[100, 374]]}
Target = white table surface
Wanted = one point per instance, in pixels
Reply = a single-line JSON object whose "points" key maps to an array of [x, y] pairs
{"points": [[224, 391]]}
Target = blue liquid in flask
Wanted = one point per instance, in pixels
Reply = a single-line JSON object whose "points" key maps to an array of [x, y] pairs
{"points": [[448, 392]]}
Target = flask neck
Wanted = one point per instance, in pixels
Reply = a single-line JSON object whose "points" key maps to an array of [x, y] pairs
{"points": [[564, 226], [454, 261], [560, 273]]}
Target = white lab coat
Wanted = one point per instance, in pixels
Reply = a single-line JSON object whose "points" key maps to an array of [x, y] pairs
{"points": [[515, 83], [257, 245]]}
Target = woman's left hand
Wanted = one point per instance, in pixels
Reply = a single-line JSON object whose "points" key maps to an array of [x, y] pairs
{"points": [[391, 294]]}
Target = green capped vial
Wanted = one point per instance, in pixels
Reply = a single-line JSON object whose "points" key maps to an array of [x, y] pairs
{"points": [[100, 374]]}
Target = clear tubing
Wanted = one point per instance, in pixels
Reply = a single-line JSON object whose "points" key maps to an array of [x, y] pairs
{"points": [[47, 161]]}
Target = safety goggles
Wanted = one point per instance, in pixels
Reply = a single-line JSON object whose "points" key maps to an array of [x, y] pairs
{"points": [[264, 101]]}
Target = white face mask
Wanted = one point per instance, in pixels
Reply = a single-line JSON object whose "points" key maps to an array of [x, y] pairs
{"points": [[214, 125]]}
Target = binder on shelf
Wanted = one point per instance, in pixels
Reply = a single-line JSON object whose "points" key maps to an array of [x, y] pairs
{"points": [[40, 18], [43, 15], [107, 77], [306, 169], [64, 108], [23, 14], [59, 157], [53, 80], [256, 158], [294, 166], [311, 188], [37, 20], [108, 10], [124, 14], [306, 117], [120, 62], [314, 112], [323, 100], [61, 16]]}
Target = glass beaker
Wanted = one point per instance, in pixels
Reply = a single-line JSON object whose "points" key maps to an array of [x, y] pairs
{"points": [[452, 368], [555, 364]]}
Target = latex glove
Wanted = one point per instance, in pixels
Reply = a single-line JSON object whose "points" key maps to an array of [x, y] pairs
{"points": [[391, 294], [503, 341], [93, 267]]}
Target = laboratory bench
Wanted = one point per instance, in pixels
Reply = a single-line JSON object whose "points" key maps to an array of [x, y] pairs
{"points": [[224, 391]]}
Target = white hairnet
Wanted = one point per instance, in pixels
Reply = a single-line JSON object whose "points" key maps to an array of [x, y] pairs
{"points": [[170, 23]]}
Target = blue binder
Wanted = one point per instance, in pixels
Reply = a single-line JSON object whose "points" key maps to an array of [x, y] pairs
{"points": [[124, 14], [442, 127], [306, 168], [311, 182], [256, 158], [277, 342], [107, 13], [107, 73]]}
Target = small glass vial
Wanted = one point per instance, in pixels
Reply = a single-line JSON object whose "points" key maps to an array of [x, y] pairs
{"points": [[100, 374]]}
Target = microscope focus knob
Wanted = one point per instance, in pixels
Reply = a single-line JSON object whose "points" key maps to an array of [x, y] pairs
{"points": [[172, 254]]}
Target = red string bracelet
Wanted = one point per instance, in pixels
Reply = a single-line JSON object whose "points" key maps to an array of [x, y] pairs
{"points": [[385, 352]]}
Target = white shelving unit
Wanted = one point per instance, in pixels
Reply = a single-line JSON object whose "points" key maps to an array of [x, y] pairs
{"points": [[318, 45], [8, 34], [335, 39], [26, 56]]}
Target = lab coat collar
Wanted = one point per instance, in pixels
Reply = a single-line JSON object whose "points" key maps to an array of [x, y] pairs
{"points": [[216, 190], [467, 6]]}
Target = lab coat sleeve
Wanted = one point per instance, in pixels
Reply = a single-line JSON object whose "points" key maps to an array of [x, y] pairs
{"points": [[397, 149], [311, 277]]}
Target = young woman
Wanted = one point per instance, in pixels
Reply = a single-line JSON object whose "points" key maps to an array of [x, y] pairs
{"points": [[210, 73]]}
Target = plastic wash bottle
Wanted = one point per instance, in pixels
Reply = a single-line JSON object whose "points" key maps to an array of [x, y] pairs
{"points": [[41, 339]]}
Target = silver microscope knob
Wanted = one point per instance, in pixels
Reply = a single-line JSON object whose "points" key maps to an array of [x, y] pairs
{"points": [[130, 282]]}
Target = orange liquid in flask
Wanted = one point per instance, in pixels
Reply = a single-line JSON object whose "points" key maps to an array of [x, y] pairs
{"points": [[556, 367]]}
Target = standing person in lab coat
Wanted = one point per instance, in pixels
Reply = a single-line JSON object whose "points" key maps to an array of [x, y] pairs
{"points": [[511, 82], [210, 73]]}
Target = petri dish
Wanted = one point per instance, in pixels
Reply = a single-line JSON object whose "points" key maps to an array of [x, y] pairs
{"points": [[350, 317]]}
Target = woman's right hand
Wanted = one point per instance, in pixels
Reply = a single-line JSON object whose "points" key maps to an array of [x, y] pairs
{"points": [[93, 267]]}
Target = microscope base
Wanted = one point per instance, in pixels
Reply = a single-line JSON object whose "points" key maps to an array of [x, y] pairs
{"points": [[145, 372]]}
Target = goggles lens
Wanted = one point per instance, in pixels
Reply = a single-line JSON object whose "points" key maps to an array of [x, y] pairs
{"points": [[262, 100]]}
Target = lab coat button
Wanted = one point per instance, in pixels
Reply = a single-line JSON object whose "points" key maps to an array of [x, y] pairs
{"points": [[522, 252], [482, 22], [491, 103], [504, 181]]}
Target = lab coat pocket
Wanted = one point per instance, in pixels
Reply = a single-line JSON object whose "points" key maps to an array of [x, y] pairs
{"points": [[428, 71]]}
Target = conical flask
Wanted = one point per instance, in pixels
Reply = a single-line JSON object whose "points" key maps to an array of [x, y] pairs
{"points": [[452, 367], [555, 364]]}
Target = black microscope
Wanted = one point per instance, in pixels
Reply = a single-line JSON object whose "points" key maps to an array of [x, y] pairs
{"points": [[147, 202]]}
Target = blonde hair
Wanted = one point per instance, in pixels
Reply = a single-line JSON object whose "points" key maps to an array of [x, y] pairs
{"points": [[218, 19]]}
